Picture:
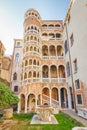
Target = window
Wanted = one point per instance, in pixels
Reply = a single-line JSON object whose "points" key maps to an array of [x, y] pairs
{"points": [[18, 44], [71, 39], [79, 99], [75, 65], [77, 84], [17, 57], [15, 76], [66, 46], [15, 88], [68, 69]]}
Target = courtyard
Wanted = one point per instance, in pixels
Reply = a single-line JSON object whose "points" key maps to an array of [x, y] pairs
{"points": [[22, 122]]}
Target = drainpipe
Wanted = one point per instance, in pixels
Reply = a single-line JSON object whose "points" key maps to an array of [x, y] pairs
{"points": [[71, 70]]}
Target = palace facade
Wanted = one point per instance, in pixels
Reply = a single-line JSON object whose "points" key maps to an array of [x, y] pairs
{"points": [[44, 66]]}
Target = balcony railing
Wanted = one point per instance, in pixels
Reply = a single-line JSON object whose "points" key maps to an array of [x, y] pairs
{"points": [[31, 31], [43, 80], [52, 57], [31, 67], [32, 53]]}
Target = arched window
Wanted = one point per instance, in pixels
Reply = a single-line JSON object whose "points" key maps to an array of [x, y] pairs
{"points": [[15, 88], [15, 76], [17, 57]]}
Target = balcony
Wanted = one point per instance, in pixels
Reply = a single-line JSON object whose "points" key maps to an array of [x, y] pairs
{"points": [[30, 53], [43, 80], [31, 67], [31, 31], [52, 57], [53, 80]]}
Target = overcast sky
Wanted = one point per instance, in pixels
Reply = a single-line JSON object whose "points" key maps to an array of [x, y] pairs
{"points": [[12, 16]]}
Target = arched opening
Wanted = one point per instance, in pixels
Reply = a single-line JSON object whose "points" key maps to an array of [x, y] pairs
{"points": [[53, 71], [27, 49], [22, 102], [45, 70], [25, 75], [31, 38], [38, 63], [26, 63], [34, 74], [30, 62], [58, 35], [15, 76], [51, 35], [44, 25], [31, 102], [17, 57], [52, 50], [51, 25], [34, 48], [61, 71], [31, 48], [30, 74], [45, 50], [55, 94], [38, 75], [59, 50], [34, 62], [57, 25], [46, 92], [64, 98]]}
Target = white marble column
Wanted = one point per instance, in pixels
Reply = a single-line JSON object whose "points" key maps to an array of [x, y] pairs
{"points": [[59, 97], [69, 100]]}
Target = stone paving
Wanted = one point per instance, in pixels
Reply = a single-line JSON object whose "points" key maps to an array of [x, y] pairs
{"points": [[75, 116]]}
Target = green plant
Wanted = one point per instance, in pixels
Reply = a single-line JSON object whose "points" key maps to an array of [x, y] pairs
{"points": [[7, 97]]}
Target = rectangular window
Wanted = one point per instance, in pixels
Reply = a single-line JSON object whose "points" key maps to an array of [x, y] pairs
{"points": [[72, 39], [75, 65], [77, 84], [79, 99], [68, 69], [66, 46]]}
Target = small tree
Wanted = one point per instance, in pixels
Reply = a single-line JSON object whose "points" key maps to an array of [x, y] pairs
{"points": [[7, 98]]}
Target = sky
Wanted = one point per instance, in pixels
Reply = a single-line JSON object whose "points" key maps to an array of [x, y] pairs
{"points": [[12, 17]]}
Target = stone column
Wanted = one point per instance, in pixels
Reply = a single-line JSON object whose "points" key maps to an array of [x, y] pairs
{"points": [[69, 100], [25, 104], [59, 98]]}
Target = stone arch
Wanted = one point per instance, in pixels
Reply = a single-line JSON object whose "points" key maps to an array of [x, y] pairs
{"points": [[22, 102], [53, 71], [61, 71], [52, 50], [55, 93], [64, 98], [45, 71], [45, 50], [31, 102]]}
